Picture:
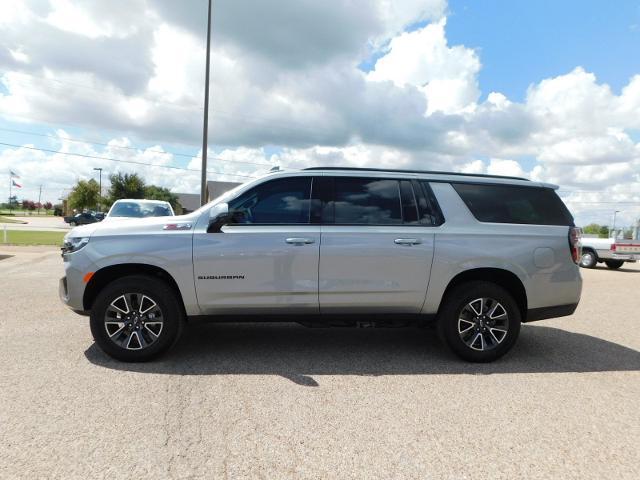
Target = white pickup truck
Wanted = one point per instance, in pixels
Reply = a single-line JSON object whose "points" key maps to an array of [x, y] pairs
{"points": [[613, 252]]}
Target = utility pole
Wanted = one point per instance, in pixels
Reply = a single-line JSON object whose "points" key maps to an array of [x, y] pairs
{"points": [[615, 212], [205, 128], [39, 198], [99, 194]]}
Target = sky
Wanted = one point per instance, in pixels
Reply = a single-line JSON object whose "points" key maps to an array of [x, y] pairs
{"points": [[545, 90]]}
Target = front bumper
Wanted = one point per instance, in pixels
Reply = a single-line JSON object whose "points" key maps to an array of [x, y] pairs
{"points": [[72, 286], [63, 293]]}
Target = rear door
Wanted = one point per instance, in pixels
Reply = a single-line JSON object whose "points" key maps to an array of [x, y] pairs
{"points": [[377, 245], [266, 259]]}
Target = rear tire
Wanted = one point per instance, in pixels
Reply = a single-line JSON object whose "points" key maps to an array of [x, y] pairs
{"points": [[479, 321], [589, 259], [136, 318], [614, 264]]}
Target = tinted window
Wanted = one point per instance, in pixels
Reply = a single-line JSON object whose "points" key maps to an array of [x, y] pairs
{"points": [[409, 203], [282, 201], [366, 201], [511, 204], [428, 208]]}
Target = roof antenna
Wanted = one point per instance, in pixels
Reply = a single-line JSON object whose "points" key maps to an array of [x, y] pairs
{"points": [[275, 169]]}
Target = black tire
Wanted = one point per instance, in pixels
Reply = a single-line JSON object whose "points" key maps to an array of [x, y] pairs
{"points": [[614, 264], [72, 224], [456, 306], [142, 345], [589, 259]]}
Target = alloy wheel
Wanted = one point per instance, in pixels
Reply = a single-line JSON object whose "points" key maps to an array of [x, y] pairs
{"points": [[133, 321], [483, 324]]}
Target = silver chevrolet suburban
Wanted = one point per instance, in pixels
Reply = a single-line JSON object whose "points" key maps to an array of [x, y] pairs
{"points": [[476, 254]]}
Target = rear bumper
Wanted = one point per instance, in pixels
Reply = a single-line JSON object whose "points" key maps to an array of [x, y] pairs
{"points": [[543, 313], [627, 257]]}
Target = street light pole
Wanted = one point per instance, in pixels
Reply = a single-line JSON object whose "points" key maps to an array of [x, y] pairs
{"points": [[205, 127], [99, 169]]}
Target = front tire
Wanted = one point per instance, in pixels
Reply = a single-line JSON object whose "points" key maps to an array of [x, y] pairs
{"points": [[479, 321], [588, 259], [614, 264], [136, 318]]}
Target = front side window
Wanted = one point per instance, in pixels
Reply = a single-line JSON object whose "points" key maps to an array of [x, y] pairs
{"points": [[280, 201]]}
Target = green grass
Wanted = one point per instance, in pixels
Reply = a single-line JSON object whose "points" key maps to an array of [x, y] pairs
{"points": [[10, 220], [26, 213], [29, 237]]}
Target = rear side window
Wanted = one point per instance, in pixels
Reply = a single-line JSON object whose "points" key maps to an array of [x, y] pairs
{"points": [[281, 201], [366, 201], [514, 204]]}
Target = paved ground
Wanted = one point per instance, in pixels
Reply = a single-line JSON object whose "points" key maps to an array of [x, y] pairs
{"points": [[42, 223], [283, 401]]}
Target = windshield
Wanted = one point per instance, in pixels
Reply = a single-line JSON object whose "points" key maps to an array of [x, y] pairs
{"points": [[140, 210]]}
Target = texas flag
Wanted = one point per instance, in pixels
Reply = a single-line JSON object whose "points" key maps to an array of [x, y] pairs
{"points": [[13, 174], [15, 184]]}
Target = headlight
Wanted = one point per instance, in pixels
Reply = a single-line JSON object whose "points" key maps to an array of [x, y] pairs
{"points": [[73, 244]]}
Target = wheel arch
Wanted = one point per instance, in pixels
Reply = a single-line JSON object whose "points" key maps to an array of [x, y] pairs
{"points": [[501, 277], [106, 275], [592, 250]]}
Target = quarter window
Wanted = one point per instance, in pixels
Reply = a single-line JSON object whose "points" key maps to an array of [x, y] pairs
{"points": [[514, 204], [281, 201]]}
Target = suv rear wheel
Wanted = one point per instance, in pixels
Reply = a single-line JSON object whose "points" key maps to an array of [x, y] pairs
{"points": [[479, 321], [136, 318]]}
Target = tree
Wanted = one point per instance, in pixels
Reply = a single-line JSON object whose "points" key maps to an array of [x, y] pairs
{"points": [[47, 206], [126, 185], [594, 229], [85, 194], [153, 192]]}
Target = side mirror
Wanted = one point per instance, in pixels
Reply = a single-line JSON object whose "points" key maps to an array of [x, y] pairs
{"points": [[218, 217]]}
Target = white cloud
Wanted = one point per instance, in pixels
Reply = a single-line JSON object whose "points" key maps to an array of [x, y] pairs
{"points": [[422, 58]]}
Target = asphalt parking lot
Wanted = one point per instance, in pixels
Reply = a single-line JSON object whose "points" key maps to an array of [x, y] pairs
{"points": [[283, 401]]}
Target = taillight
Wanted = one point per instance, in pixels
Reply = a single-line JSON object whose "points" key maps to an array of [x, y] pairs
{"points": [[574, 243], [613, 247]]}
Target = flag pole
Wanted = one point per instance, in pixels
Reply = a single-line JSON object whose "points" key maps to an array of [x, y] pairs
{"points": [[10, 185]]}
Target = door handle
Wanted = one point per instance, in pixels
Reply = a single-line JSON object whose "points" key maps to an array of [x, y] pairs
{"points": [[407, 241], [299, 241]]}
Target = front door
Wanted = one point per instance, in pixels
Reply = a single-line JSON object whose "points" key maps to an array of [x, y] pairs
{"points": [[266, 260]]}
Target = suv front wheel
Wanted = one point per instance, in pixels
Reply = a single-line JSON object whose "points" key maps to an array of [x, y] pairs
{"points": [[479, 321], [136, 318]]}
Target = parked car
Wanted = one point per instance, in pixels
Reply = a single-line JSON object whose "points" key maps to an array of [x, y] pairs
{"points": [[135, 208], [476, 254], [610, 251], [84, 218]]}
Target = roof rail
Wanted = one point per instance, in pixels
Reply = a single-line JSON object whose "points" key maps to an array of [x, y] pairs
{"points": [[430, 172]]}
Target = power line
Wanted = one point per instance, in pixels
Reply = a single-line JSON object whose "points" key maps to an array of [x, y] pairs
{"points": [[123, 161], [177, 154]]}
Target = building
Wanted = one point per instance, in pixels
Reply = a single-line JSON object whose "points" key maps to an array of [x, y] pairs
{"points": [[191, 201]]}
